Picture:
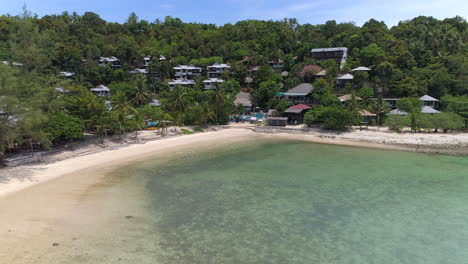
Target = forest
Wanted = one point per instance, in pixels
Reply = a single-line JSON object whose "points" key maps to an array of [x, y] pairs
{"points": [[420, 56]]}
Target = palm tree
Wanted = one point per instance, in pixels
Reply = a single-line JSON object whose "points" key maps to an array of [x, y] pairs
{"points": [[179, 98], [137, 123], [140, 94], [164, 121], [123, 108], [380, 107], [218, 98], [206, 113], [354, 107]]}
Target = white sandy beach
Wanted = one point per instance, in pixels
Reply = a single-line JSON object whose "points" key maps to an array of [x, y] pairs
{"points": [[21, 177], [36, 198]]}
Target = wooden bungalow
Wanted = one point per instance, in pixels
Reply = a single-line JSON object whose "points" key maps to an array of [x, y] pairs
{"points": [[296, 113], [300, 94]]}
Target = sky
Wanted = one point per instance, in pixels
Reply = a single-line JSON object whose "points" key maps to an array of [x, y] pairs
{"points": [[230, 11]]}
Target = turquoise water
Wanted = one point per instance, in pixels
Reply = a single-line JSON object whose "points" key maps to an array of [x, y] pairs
{"points": [[297, 202]]}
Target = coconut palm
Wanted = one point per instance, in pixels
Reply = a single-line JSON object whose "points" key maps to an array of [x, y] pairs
{"points": [[140, 94], [123, 108], [218, 99], [380, 107]]}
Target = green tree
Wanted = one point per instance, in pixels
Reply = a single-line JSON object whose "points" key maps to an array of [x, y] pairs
{"points": [[380, 108], [337, 118], [63, 127], [411, 105]]}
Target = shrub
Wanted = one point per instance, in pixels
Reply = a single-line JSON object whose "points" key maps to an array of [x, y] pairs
{"points": [[314, 115], [198, 129], [186, 131], [448, 121], [336, 118], [396, 122]]}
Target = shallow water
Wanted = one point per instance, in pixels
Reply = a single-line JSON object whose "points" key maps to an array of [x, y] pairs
{"points": [[270, 202], [296, 202]]}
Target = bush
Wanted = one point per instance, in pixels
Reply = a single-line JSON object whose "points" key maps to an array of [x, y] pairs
{"points": [[63, 127], [186, 131], [336, 118], [396, 122], [198, 129], [448, 121], [314, 115]]}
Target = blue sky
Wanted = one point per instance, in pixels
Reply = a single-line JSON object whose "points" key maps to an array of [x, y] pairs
{"points": [[230, 11]]}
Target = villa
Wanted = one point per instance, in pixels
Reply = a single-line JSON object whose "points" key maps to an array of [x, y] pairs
{"points": [[215, 70], [342, 80], [139, 71], [244, 99], [147, 60], [112, 61], [430, 101], [209, 83], [187, 72], [67, 74], [276, 64], [181, 82], [101, 91], [299, 94], [340, 55]]}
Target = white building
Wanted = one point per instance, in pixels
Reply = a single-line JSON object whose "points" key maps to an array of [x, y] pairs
{"points": [[430, 101], [215, 70], [139, 71], [101, 90], [112, 61], [147, 60], [209, 83], [181, 82], [188, 72], [67, 74]]}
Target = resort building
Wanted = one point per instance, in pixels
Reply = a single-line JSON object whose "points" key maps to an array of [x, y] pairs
{"points": [[309, 72], [344, 99], [295, 114], [112, 61], [61, 90], [340, 55], [342, 80], [101, 91], [139, 71], [392, 102], [215, 70], [367, 117], [300, 94], [276, 64], [16, 64], [181, 82], [424, 110], [188, 72], [147, 60], [155, 102], [362, 68], [244, 99], [67, 74], [209, 83], [430, 101]]}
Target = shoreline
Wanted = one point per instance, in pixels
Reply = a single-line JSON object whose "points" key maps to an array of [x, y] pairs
{"points": [[14, 179]]}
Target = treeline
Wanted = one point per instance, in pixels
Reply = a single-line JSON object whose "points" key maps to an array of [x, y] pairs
{"points": [[420, 56]]}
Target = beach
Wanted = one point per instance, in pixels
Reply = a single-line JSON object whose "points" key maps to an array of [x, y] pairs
{"points": [[35, 200], [20, 177]]}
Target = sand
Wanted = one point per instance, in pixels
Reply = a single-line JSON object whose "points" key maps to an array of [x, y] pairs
{"points": [[21, 177], [35, 199]]}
